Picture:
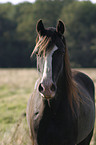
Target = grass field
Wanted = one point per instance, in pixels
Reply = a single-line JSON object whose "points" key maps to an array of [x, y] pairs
{"points": [[16, 86]]}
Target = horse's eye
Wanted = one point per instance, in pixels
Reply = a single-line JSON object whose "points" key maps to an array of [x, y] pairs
{"points": [[63, 52], [39, 55], [36, 52]]}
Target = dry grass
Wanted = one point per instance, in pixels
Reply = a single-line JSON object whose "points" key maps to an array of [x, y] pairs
{"points": [[16, 86]]}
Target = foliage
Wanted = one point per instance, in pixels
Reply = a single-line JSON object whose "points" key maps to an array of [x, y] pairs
{"points": [[18, 30], [81, 32]]}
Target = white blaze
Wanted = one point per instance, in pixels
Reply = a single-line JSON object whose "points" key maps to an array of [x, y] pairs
{"points": [[48, 64]]}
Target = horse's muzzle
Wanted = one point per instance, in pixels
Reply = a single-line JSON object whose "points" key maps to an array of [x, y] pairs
{"points": [[47, 89]]}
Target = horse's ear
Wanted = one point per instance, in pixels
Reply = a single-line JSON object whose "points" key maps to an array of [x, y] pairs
{"points": [[60, 27], [40, 27]]}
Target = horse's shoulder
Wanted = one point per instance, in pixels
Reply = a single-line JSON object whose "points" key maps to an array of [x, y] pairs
{"points": [[80, 76], [84, 80]]}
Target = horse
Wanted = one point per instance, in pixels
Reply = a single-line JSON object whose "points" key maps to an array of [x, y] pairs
{"points": [[61, 110]]}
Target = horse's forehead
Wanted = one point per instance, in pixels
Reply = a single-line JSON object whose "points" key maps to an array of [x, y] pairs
{"points": [[47, 42], [50, 53], [49, 32]]}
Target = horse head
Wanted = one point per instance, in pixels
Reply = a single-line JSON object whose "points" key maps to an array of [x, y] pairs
{"points": [[50, 50]]}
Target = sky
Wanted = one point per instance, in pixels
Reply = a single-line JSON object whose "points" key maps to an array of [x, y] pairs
{"points": [[20, 1], [16, 1]]}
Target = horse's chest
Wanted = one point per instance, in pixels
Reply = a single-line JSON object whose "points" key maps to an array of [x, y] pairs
{"points": [[53, 130]]}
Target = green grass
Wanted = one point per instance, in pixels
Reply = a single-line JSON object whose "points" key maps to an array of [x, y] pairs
{"points": [[16, 86]]}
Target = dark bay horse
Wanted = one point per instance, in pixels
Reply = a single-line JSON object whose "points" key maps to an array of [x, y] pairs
{"points": [[61, 110]]}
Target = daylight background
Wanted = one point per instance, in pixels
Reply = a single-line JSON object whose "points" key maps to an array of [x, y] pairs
{"points": [[18, 32], [17, 40]]}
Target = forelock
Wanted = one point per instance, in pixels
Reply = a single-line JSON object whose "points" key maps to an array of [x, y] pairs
{"points": [[50, 38]]}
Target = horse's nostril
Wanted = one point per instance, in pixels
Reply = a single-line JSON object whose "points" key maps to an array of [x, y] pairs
{"points": [[53, 88], [41, 88]]}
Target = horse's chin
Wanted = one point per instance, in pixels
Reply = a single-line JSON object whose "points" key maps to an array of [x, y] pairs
{"points": [[48, 97]]}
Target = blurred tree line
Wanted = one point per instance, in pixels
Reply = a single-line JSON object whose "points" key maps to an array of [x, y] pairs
{"points": [[18, 30]]}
